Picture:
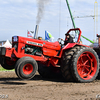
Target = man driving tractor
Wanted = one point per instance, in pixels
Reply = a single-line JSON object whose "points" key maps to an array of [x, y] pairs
{"points": [[68, 39]]}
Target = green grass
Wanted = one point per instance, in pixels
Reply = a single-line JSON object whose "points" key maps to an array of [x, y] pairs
{"points": [[2, 69]]}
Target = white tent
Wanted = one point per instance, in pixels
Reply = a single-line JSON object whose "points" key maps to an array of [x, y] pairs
{"points": [[7, 44]]}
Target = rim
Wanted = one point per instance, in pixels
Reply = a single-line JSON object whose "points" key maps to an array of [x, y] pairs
{"points": [[27, 69], [86, 65]]}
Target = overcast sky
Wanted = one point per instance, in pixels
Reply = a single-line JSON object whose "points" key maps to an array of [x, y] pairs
{"points": [[18, 16]]}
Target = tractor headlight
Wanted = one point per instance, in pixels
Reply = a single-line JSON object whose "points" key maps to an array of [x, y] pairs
{"points": [[15, 39]]}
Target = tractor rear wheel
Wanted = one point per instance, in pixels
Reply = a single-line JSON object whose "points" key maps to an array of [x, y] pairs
{"points": [[66, 63], [85, 65], [80, 64], [26, 68], [49, 72], [7, 63]]}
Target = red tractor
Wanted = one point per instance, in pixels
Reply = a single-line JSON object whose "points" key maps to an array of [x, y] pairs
{"points": [[75, 61]]}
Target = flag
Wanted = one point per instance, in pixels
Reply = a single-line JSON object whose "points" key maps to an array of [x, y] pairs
{"points": [[48, 36], [29, 34]]}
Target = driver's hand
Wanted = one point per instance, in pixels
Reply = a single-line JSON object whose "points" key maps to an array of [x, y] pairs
{"points": [[62, 39], [58, 38]]}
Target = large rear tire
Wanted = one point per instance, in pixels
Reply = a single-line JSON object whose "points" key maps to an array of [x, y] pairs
{"points": [[49, 72], [85, 65], [26, 68], [80, 64], [66, 63]]}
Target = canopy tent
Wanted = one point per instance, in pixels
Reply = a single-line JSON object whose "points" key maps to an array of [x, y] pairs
{"points": [[7, 44]]}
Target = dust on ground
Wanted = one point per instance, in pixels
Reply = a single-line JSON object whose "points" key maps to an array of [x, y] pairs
{"points": [[13, 88]]}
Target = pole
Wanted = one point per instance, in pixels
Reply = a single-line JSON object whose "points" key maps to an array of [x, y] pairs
{"points": [[95, 18], [59, 17], [74, 22], [70, 14]]}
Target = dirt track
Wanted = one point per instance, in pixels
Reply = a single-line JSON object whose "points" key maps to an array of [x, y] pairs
{"points": [[12, 88]]}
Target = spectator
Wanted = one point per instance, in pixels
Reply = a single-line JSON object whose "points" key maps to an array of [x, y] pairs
{"points": [[39, 38]]}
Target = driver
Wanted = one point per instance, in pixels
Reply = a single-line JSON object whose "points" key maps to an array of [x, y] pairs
{"points": [[68, 39]]}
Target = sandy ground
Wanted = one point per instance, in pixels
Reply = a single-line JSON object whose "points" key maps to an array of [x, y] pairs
{"points": [[12, 88]]}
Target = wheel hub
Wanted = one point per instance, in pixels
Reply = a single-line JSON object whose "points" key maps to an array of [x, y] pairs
{"points": [[27, 69], [86, 65]]}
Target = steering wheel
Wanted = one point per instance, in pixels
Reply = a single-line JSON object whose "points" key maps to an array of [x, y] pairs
{"points": [[61, 41]]}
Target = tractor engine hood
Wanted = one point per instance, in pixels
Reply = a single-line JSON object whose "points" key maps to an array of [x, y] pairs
{"points": [[36, 42]]}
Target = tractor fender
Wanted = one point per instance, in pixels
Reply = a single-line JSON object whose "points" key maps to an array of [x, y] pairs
{"points": [[71, 45], [68, 46]]}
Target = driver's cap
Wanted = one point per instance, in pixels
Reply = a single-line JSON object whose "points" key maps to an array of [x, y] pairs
{"points": [[66, 34]]}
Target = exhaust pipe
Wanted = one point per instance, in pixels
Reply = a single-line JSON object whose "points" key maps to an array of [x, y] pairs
{"points": [[36, 32]]}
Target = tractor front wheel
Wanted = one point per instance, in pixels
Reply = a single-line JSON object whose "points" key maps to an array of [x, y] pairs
{"points": [[26, 68]]}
